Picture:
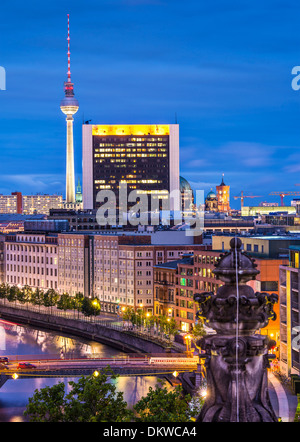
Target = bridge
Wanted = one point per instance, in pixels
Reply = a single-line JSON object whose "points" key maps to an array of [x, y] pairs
{"points": [[129, 365]]}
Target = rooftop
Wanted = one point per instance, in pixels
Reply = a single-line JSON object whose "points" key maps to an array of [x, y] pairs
{"points": [[173, 264]]}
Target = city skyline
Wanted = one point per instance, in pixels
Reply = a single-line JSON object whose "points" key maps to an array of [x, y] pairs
{"points": [[223, 72]]}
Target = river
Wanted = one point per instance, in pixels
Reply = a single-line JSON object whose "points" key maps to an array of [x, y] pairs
{"points": [[21, 340]]}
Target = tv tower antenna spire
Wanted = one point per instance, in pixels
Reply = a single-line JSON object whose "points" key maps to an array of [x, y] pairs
{"points": [[69, 106], [69, 53]]}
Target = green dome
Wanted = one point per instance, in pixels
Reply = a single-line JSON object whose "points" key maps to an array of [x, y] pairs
{"points": [[211, 195], [184, 184]]}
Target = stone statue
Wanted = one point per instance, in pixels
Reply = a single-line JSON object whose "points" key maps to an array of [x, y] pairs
{"points": [[236, 356]]}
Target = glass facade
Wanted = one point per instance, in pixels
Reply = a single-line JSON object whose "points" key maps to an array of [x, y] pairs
{"points": [[140, 161]]}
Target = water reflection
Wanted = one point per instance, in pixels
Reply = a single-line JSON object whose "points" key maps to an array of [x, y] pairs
{"points": [[25, 340]]}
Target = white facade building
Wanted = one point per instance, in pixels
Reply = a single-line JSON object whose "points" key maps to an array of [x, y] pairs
{"points": [[31, 259]]}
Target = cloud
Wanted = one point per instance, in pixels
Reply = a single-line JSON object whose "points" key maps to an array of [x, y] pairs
{"points": [[248, 154], [32, 183]]}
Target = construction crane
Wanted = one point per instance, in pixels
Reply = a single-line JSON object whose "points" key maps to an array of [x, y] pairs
{"points": [[242, 196], [283, 194]]}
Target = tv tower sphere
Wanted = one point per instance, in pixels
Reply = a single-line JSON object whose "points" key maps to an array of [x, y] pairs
{"points": [[69, 106]]}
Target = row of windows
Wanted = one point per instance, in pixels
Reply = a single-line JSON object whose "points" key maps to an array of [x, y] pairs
{"points": [[34, 259], [205, 259], [34, 270], [120, 147], [36, 249], [110, 140], [255, 248], [184, 303], [74, 276], [140, 301], [32, 282], [112, 289]]}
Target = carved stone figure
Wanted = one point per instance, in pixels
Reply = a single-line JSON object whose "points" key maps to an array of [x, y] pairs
{"points": [[236, 356]]}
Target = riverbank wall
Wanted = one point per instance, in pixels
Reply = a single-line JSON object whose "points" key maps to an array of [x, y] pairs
{"points": [[122, 340]]}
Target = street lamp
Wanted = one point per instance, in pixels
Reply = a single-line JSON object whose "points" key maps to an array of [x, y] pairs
{"points": [[188, 339]]}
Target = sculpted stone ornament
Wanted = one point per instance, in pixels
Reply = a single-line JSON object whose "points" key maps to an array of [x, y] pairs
{"points": [[236, 356]]}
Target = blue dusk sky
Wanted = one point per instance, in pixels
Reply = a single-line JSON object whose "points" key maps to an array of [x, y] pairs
{"points": [[223, 67]]}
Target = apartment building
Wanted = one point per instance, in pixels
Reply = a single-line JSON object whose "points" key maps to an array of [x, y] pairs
{"points": [[16, 203], [31, 259], [175, 284], [73, 264], [290, 314], [115, 267], [40, 203], [123, 269], [2, 264], [260, 246]]}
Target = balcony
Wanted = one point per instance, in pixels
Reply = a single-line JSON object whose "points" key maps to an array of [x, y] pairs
{"points": [[164, 301], [164, 282]]}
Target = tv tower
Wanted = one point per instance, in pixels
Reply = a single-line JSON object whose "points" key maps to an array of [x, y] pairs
{"points": [[69, 106]]}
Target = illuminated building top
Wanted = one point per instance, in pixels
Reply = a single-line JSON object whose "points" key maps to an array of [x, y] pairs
{"points": [[131, 129]]}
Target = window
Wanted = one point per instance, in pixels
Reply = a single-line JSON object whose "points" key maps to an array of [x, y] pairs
{"points": [[248, 247], [269, 286]]}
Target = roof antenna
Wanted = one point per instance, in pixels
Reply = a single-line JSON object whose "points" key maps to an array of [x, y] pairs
{"points": [[69, 53], [175, 117]]}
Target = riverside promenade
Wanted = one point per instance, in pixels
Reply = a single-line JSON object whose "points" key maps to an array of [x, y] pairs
{"points": [[104, 328]]}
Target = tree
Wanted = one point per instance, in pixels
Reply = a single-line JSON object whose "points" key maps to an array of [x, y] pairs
{"points": [[47, 404], [50, 298], [95, 306], [90, 306], [13, 293], [95, 399], [37, 297], [128, 314], [4, 290], [162, 405], [171, 327], [64, 302], [197, 332], [24, 295], [168, 325], [77, 301], [91, 399]]}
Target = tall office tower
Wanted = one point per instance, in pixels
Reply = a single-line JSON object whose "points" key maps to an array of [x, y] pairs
{"points": [[69, 106], [145, 157]]}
